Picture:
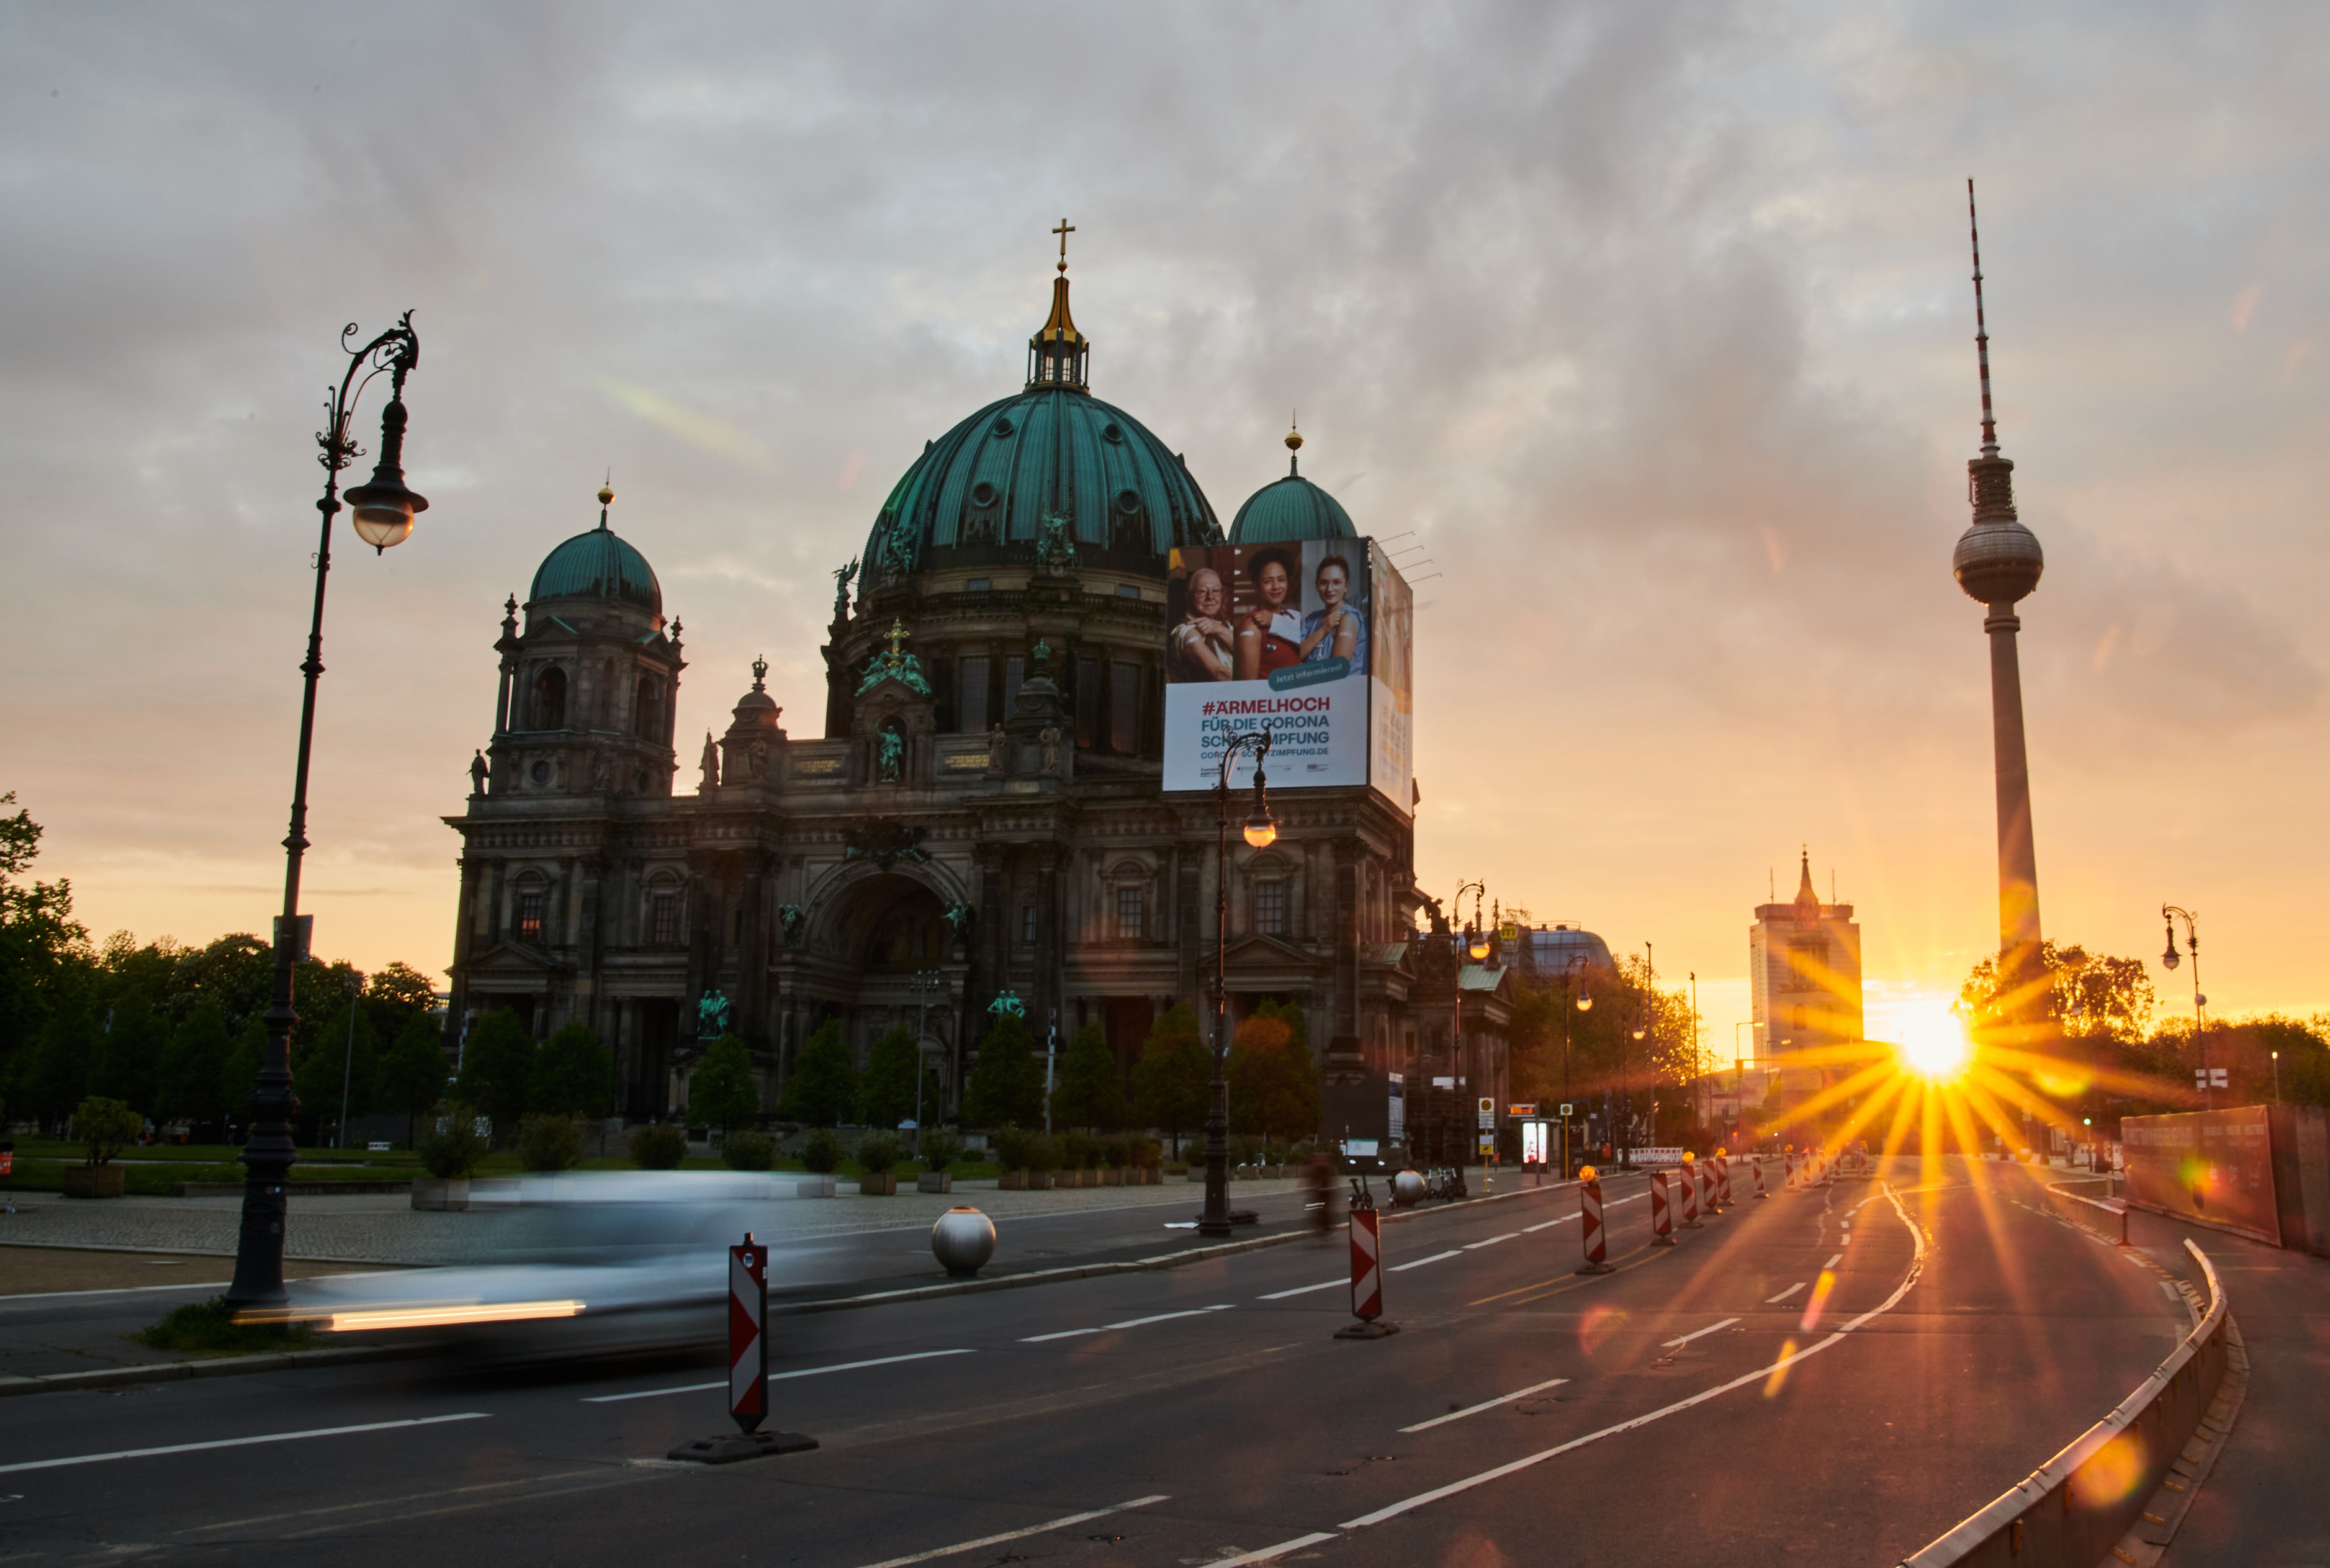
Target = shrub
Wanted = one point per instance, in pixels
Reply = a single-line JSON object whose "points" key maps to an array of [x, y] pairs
{"points": [[548, 1143], [940, 1150], [1116, 1151], [749, 1150], [1011, 1147], [1148, 1153], [822, 1153], [1246, 1151], [1079, 1151], [105, 1126], [877, 1155], [658, 1146], [1043, 1152], [449, 1144], [209, 1328]]}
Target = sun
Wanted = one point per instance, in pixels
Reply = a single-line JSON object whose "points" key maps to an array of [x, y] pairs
{"points": [[1933, 1042]]}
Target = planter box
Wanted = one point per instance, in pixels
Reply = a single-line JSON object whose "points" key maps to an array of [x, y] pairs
{"points": [[813, 1187], [1024, 1181], [885, 1185], [1197, 1172], [1112, 1178], [92, 1181], [934, 1181], [1152, 1176], [433, 1194]]}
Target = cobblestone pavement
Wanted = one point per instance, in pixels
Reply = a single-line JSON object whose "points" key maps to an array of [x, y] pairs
{"points": [[386, 1227]]}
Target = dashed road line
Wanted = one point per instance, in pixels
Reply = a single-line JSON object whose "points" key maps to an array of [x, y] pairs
{"points": [[1833, 1263], [1061, 1523], [1486, 1404], [774, 1376], [1127, 1323], [1784, 1295], [1436, 1257], [272, 1437], [1696, 1333]]}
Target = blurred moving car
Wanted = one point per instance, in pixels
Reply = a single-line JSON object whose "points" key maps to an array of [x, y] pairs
{"points": [[593, 1264]]}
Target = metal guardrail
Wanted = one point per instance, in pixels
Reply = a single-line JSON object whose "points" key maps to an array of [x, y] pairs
{"points": [[2072, 1510], [2104, 1214]]}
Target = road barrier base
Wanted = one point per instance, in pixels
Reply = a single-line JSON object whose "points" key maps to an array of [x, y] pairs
{"points": [[1594, 1269], [1377, 1329], [1664, 1242], [730, 1446]]}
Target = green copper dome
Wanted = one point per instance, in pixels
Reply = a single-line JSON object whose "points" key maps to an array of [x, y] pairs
{"points": [[1290, 509], [598, 565]]}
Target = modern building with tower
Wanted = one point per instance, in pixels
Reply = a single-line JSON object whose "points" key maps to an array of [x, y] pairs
{"points": [[1804, 967], [987, 814]]}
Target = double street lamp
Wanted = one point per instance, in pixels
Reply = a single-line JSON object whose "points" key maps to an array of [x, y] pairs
{"points": [[1584, 1002], [2171, 914], [384, 511], [1261, 831]]}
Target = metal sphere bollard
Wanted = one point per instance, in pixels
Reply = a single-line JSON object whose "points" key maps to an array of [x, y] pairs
{"points": [[1408, 1188], [962, 1240]]}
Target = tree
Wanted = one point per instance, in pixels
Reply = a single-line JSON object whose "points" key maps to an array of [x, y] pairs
{"points": [[403, 988], [38, 937], [412, 1073], [886, 1093], [1170, 1080], [105, 1126], [336, 1071], [194, 1068], [497, 1065], [242, 1074], [2089, 996], [1007, 1083], [822, 1089], [722, 1093], [1088, 1094], [1274, 1085], [573, 1074]]}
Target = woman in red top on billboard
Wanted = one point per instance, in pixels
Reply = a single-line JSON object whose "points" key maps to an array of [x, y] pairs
{"points": [[1270, 635]]}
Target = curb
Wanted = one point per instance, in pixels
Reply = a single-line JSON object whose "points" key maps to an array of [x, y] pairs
{"points": [[181, 1371]]}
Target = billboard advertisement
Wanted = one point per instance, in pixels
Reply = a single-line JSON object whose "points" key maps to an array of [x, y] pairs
{"points": [[1291, 639], [2212, 1167], [1391, 696]]}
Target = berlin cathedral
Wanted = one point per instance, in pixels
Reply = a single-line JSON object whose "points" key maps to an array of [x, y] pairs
{"points": [[982, 821]]}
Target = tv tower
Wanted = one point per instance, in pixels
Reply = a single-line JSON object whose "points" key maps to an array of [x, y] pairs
{"points": [[1997, 562]]}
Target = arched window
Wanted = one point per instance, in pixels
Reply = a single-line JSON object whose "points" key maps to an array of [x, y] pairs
{"points": [[647, 712], [550, 699]]}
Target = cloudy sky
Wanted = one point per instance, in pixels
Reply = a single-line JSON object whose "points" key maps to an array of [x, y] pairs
{"points": [[1651, 322]]}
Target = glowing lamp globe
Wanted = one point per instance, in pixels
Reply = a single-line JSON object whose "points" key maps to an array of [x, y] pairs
{"points": [[1261, 831]]}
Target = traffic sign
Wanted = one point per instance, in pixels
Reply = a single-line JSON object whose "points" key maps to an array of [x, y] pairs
{"points": [[1519, 1111], [1488, 1114], [1566, 1109], [2209, 1078], [748, 1344]]}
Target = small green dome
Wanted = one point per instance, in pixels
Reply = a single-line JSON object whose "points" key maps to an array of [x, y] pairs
{"points": [[598, 565], [1291, 509]]}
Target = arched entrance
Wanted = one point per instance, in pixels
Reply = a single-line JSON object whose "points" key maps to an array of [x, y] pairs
{"points": [[888, 958]]}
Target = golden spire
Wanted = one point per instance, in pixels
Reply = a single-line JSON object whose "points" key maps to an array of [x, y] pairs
{"points": [[1055, 355], [1294, 443]]}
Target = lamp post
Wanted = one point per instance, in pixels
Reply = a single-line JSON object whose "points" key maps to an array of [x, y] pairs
{"points": [[925, 982], [1584, 1002], [2170, 913], [1473, 943], [383, 516], [348, 1058], [1261, 831]]}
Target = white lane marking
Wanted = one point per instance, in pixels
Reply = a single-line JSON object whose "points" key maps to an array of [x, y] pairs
{"points": [[774, 1376], [1486, 1404], [1059, 1523], [1127, 1323], [1833, 1263], [1695, 1333], [1403, 1268], [1916, 1266], [1302, 1290], [1270, 1553], [272, 1437], [1492, 1241], [1532, 1228], [1784, 1295], [8, 1301]]}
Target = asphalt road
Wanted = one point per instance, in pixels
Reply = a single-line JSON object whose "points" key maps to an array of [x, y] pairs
{"points": [[1829, 1376]]}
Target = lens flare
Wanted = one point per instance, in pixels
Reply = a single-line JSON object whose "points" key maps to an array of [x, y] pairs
{"points": [[1934, 1044]]}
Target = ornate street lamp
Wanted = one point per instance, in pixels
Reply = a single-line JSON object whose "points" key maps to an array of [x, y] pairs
{"points": [[1261, 831], [384, 509], [2171, 914]]}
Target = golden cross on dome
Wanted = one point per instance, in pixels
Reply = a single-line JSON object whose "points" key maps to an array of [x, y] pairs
{"points": [[1064, 230], [896, 634]]}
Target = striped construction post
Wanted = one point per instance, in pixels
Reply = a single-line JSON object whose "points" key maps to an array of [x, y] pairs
{"points": [[1690, 1199], [1590, 1214], [1661, 1213], [1722, 1179], [748, 1343], [1790, 1156], [1759, 1178], [1367, 1273], [1707, 1189]]}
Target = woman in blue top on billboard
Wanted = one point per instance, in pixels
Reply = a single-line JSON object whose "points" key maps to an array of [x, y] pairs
{"points": [[1270, 635], [1336, 629]]}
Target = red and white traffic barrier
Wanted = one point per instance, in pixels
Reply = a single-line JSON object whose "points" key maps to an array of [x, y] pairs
{"points": [[748, 1367], [1690, 1197], [1367, 1271], [1589, 1215], [1759, 1178], [1790, 1156], [1707, 1189], [1722, 1179], [1661, 1211]]}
